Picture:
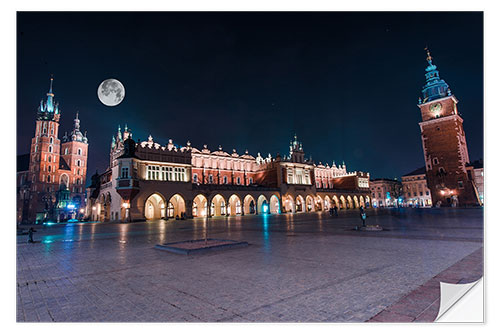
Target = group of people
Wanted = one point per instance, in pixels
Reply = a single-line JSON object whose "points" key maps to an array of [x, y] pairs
{"points": [[334, 212]]}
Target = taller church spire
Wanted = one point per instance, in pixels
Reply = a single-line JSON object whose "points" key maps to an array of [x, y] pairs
{"points": [[49, 110]]}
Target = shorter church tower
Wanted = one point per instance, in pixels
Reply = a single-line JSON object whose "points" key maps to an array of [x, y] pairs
{"points": [[74, 151], [444, 144]]}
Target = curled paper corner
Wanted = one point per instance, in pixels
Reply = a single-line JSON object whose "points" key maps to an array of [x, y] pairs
{"points": [[461, 302]]}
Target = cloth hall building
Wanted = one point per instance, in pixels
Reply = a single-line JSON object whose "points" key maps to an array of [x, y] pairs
{"points": [[147, 180]]}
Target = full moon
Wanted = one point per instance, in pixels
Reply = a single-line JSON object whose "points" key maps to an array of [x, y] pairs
{"points": [[111, 92]]}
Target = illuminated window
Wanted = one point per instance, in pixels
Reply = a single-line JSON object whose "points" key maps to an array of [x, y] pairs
{"points": [[289, 173], [124, 172], [66, 151]]}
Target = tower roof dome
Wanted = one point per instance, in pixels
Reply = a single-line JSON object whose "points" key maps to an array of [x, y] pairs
{"points": [[435, 87]]}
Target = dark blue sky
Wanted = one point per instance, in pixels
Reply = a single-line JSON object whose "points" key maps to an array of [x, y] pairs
{"points": [[346, 83]]}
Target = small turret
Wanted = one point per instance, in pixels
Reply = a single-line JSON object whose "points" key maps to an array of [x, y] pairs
{"points": [[76, 134]]}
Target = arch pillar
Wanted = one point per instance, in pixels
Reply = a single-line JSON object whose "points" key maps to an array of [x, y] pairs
{"points": [[189, 209]]}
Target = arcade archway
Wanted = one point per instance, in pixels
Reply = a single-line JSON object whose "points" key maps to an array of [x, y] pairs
{"points": [[274, 205], [300, 204], [288, 204], [349, 202], [261, 202], [319, 204], [309, 203], [249, 204], [356, 203], [342, 202], [154, 208], [218, 206], [200, 206], [234, 207], [176, 206], [327, 202]]}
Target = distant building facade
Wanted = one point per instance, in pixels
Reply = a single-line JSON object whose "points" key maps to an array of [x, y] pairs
{"points": [[147, 180], [444, 145], [415, 190], [475, 171], [51, 178], [385, 192]]}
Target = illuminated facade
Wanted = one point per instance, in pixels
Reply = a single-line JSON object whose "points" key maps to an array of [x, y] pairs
{"points": [[147, 180], [385, 192], [52, 185], [444, 145], [415, 190]]}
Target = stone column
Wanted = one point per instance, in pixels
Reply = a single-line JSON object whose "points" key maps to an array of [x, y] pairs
{"points": [[189, 209]]}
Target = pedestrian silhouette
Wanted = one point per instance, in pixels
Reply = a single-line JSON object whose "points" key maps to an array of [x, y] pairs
{"points": [[362, 214], [30, 235]]}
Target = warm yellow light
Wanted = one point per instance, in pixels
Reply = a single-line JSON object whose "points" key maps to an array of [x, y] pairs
{"points": [[82, 210], [125, 205], [93, 208], [442, 192]]}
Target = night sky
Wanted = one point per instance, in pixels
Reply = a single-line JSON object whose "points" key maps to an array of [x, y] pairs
{"points": [[346, 83]]}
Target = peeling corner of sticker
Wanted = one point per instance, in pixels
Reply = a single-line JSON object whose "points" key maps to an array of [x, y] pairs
{"points": [[451, 296]]}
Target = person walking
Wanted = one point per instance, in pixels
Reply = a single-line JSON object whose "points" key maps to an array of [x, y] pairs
{"points": [[335, 210]]}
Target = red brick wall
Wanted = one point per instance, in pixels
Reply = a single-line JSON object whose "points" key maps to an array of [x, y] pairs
{"points": [[440, 138]]}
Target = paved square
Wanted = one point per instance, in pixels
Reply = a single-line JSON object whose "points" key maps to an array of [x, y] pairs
{"points": [[304, 267]]}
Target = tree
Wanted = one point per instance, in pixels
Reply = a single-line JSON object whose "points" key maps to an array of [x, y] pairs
{"points": [[396, 191]]}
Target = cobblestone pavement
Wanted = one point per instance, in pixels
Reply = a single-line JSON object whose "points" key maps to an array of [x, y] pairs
{"points": [[304, 267]]}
